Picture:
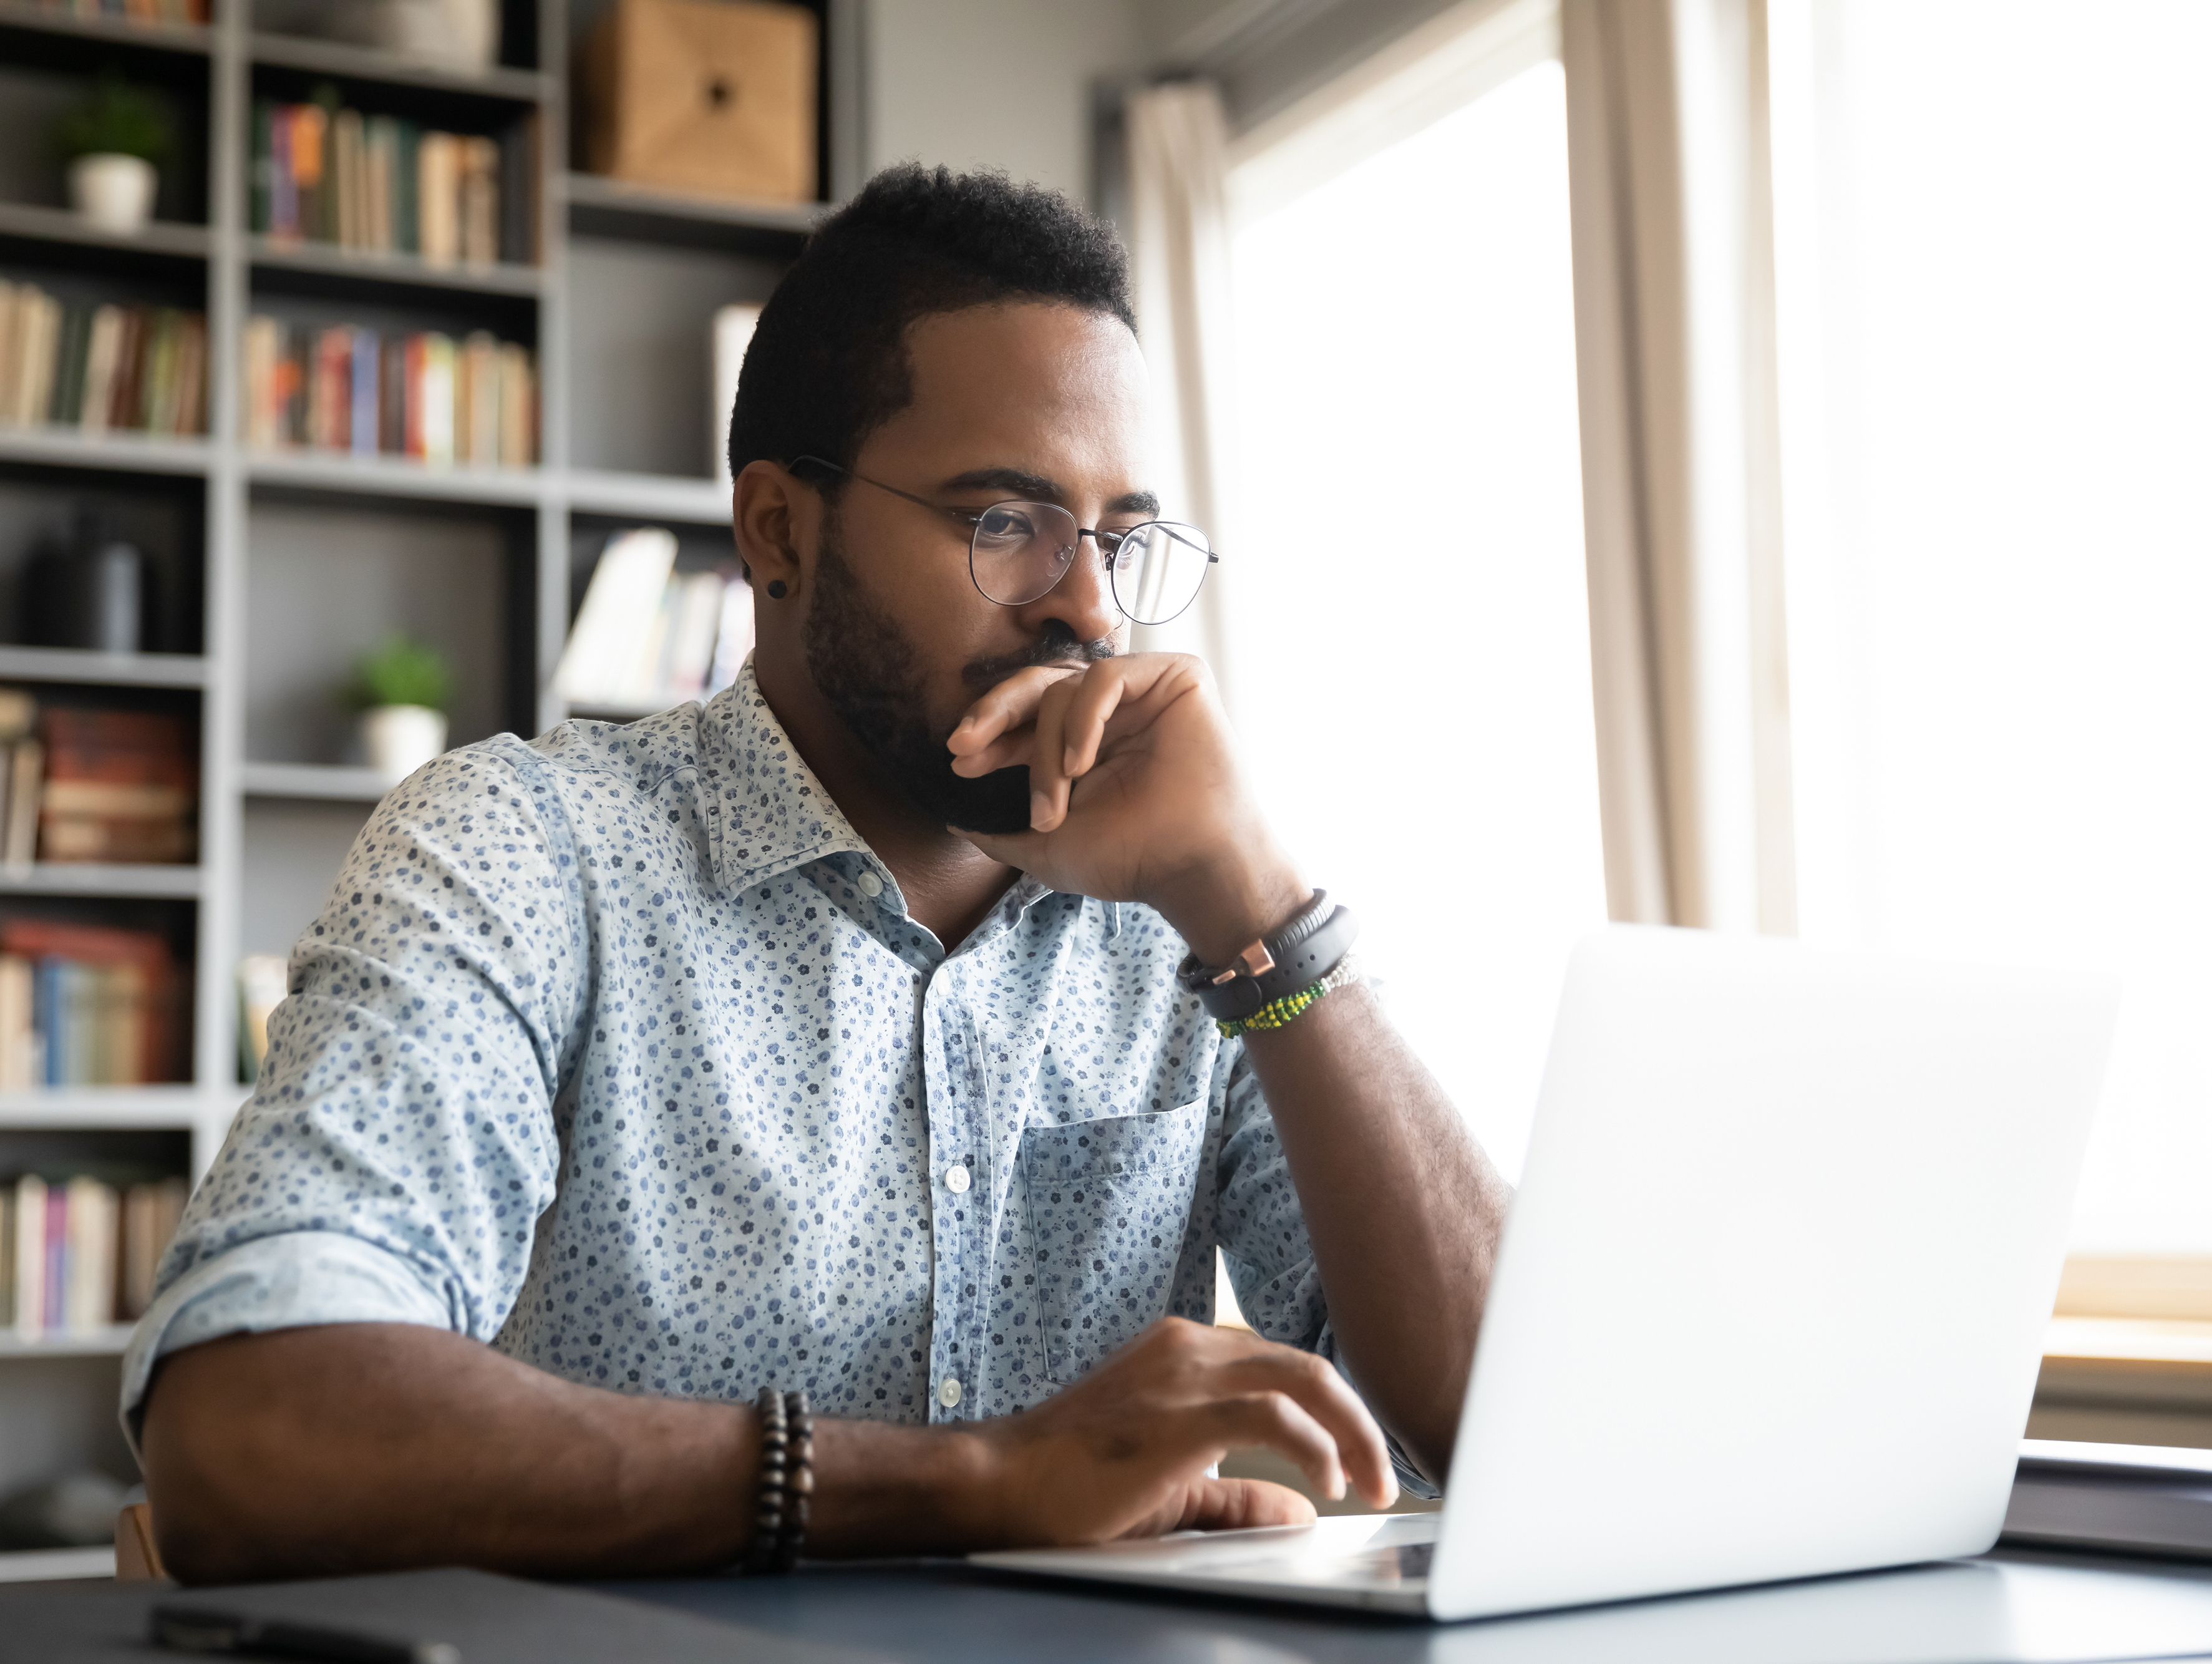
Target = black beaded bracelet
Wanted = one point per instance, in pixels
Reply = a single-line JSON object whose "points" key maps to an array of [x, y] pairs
{"points": [[787, 1482]]}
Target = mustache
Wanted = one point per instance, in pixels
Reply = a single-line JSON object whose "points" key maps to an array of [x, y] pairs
{"points": [[1056, 646]]}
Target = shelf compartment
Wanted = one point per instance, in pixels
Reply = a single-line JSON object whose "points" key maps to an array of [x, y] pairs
{"points": [[106, 1342], [367, 67], [94, 878], [82, 666], [33, 223], [321, 782], [368, 269], [394, 477], [648, 497], [602, 207]]}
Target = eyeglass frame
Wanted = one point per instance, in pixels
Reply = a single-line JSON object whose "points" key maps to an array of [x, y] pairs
{"points": [[973, 519]]}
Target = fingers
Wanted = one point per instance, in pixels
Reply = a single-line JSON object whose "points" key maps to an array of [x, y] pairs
{"points": [[1009, 705], [1313, 1384], [1277, 1422], [1240, 1505]]}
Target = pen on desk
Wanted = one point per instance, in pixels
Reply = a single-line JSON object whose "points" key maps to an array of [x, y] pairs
{"points": [[200, 1629]]}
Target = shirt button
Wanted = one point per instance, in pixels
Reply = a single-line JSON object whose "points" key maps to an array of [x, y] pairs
{"points": [[956, 1179], [871, 885], [948, 1392]]}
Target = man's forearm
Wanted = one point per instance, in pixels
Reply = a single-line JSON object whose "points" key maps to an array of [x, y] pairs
{"points": [[363, 1447], [1403, 1208], [356, 1447]]}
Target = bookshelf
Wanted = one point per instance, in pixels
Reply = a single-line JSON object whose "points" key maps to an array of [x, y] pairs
{"points": [[278, 565]]}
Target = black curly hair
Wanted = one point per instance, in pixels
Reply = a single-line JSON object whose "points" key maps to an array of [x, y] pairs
{"points": [[827, 363]]}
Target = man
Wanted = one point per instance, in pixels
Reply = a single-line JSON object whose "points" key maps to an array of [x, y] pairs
{"points": [[633, 1069]]}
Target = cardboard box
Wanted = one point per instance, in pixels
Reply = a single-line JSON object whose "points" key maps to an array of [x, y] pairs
{"points": [[710, 96]]}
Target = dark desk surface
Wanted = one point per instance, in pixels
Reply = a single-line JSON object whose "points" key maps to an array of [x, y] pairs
{"points": [[2007, 1608], [2034, 1607]]}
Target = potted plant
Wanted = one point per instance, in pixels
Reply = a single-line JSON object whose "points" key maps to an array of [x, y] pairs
{"points": [[400, 687], [112, 142]]}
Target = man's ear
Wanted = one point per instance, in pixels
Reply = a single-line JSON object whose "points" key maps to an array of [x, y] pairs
{"points": [[777, 521]]}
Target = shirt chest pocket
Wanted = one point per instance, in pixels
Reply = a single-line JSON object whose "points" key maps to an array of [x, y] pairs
{"points": [[1109, 1202]]}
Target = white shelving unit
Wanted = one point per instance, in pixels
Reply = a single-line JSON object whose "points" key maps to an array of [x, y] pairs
{"points": [[293, 559]]}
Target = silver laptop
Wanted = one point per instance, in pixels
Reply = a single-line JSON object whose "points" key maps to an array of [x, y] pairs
{"points": [[1770, 1304]]}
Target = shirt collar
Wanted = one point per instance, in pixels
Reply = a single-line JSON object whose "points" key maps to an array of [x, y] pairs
{"points": [[767, 812]]}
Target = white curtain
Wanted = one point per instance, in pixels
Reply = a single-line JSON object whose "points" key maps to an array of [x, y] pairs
{"points": [[1178, 141], [1675, 331]]}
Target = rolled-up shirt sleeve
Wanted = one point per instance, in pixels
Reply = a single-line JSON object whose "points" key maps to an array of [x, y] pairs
{"points": [[401, 1142], [1262, 1233]]}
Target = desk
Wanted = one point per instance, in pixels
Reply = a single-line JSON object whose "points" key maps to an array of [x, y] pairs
{"points": [[2007, 1608]]}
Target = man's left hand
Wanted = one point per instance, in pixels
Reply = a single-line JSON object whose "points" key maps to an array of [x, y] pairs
{"points": [[1136, 796]]}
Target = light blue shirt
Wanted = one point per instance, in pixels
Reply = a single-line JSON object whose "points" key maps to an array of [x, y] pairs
{"points": [[619, 1052]]}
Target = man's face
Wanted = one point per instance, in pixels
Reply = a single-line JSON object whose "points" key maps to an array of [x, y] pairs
{"points": [[1025, 401]]}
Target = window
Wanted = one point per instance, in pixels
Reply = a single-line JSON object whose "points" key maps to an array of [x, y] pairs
{"points": [[1994, 259], [1409, 641]]}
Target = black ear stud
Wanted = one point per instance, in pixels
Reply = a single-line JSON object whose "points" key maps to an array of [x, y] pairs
{"points": [[776, 590]]}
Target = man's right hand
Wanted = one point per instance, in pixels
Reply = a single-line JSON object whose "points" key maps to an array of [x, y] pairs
{"points": [[1124, 1452]]}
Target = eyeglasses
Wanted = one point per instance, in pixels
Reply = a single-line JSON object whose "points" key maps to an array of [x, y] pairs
{"points": [[1017, 551]]}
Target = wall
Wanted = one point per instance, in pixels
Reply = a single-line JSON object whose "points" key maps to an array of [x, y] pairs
{"points": [[1002, 83]]}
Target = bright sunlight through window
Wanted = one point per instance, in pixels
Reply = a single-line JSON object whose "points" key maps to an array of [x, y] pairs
{"points": [[1995, 261], [1410, 637]]}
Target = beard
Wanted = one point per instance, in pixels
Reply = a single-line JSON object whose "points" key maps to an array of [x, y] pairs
{"points": [[865, 666]]}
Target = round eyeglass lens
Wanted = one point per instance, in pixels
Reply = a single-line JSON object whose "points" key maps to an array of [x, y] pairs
{"points": [[1020, 550], [1157, 568]]}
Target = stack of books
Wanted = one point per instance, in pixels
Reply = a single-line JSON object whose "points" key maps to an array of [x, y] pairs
{"points": [[648, 637], [120, 786], [381, 185], [95, 367], [88, 1005], [423, 395], [79, 1253]]}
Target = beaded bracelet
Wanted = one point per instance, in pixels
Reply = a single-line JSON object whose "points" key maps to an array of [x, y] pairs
{"points": [[787, 1482], [1281, 1013]]}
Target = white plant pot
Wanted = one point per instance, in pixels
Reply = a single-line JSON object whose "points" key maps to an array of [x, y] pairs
{"points": [[115, 192], [400, 739]]}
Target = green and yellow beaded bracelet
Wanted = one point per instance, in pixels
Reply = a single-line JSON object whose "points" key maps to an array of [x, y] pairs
{"points": [[1281, 1013]]}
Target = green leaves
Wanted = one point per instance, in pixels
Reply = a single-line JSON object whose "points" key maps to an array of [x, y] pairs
{"points": [[116, 119], [400, 672]]}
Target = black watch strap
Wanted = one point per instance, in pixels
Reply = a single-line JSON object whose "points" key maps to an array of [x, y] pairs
{"points": [[1301, 953]]}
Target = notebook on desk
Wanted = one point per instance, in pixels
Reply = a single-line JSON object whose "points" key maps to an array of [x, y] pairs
{"points": [[1770, 1304]]}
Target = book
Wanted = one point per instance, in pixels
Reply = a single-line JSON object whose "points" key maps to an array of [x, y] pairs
{"points": [[437, 198], [30, 1291], [151, 1212], [92, 1226], [27, 771], [23, 1058], [478, 203], [104, 349]]}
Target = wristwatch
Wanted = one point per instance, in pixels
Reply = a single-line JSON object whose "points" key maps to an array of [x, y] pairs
{"points": [[1294, 958]]}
